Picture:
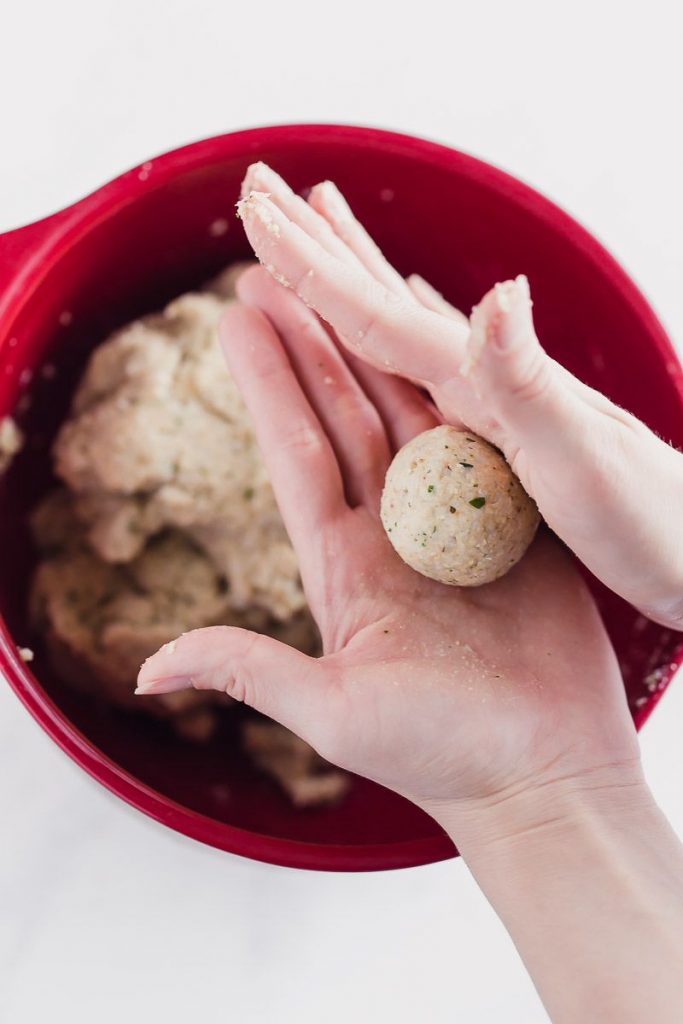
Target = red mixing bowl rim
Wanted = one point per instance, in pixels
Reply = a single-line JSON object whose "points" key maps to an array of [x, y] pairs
{"points": [[46, 241]]}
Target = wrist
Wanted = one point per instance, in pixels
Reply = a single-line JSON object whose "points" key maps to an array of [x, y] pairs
{"points": [[585, 873], [544, 812]]}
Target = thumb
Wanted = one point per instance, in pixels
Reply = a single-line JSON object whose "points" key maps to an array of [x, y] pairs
{"points": [[257, 670], [527, 392]]}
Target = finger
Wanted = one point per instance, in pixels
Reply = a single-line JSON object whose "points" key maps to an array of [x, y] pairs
{"points": [[377, 325], [349, 419], [431, 299], [542, 407], [263, 673], [579, 455], [522, 386], [262, 178], [594, 399], [512, 378], [505, 359], [299, 458], [405, 412], [333, 207]]}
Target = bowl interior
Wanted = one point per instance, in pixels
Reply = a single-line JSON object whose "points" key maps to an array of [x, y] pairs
{"points": [[166, 228]]}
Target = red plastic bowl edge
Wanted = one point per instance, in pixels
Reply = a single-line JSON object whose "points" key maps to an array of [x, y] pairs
{"points": [[37, 247]]}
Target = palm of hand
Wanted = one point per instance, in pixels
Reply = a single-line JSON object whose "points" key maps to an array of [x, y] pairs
{"points": [[433, 691], [440, 691]]}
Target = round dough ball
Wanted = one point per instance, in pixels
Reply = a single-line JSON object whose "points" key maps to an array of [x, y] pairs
{"points": [[454, 510]]}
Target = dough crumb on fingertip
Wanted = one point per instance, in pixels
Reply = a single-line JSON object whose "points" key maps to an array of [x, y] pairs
{"points": [[275, 273], [253, 202]]}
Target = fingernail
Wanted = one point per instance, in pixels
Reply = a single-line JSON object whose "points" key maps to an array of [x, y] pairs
{"points": [[254, 172], [522, 282], [334, 200], [512, 319], [419, 283], [165, 684]]}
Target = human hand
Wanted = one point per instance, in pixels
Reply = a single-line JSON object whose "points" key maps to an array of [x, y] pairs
{"points": [[450, 697], [605, 483]]}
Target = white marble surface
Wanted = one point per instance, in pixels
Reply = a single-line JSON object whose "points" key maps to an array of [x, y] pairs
{"points": [[104, 915]]}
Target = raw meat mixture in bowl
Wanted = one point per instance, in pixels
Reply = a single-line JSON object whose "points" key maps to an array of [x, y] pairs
{"points": [[137, 506]]}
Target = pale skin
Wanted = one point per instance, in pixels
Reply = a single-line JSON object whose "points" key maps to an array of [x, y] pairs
{"points": [[499, 710]]}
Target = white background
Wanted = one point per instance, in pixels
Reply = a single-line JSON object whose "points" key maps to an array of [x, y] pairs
{"points": [[105, 916]]}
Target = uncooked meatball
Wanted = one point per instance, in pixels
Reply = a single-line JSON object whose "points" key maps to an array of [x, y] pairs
{"points": [[454, 510]]}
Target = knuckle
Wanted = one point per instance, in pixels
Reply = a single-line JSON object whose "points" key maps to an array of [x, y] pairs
{"points": [[237, 684], [268, 366], [238, 680], [303, 440], [354, 408], [385, 313], [367, 331], [532, 382]]}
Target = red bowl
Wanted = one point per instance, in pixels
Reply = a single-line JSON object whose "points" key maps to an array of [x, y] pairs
{"points": [[166, 226]]}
